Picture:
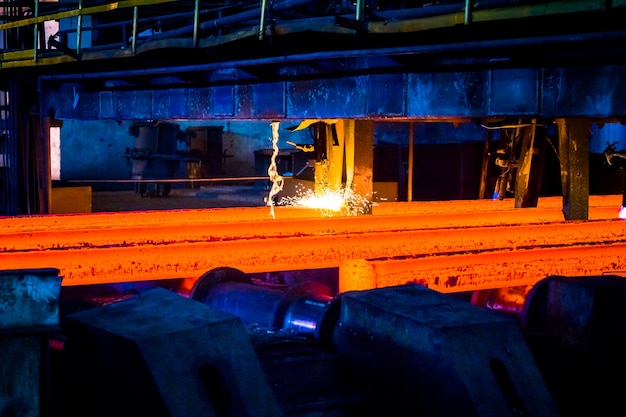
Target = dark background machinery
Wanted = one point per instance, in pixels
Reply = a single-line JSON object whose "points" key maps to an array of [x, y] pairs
{"points": [[551, 349]]}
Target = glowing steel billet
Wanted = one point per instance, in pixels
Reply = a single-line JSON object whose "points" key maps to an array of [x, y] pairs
{"points": [[417, 215], [431, 233], [471, 272], [124, 252]]}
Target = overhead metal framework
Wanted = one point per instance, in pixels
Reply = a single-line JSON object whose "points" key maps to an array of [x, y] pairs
{"points": [[156, 59]]}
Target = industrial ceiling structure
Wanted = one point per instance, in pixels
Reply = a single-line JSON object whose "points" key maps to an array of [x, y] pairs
{"points": [[299, 59]]}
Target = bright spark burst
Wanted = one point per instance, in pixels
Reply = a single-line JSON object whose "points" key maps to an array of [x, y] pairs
{"points": [[330, 202], [622, 212], [342, 201]]}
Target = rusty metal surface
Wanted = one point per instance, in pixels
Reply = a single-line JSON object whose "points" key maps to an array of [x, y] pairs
{"points": [[137, 246]]}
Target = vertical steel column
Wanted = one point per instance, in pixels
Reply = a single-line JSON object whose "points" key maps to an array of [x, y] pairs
{"points": [[12, 155], [348, 134], [574, 157], [409, 188], [364, 163], [42, 160], [484, 176], [523, 193], [335, 145]]}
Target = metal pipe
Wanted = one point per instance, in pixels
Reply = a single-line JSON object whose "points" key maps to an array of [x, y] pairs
{"points": [[196, 22], [252, 304], [35, 31], [360, 10], [79, 28], [262, 21], [300, 308], [468, 11], [303, 308], [134, 35]]}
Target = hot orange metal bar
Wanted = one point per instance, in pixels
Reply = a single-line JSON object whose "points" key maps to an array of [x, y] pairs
{"points": [[67, 231], [122, 247], [498, 269]]}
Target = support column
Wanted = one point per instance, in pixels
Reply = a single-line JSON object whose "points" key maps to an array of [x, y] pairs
{"points": [[364, 164], [329, 164], [485, 186], [409, 188], [42, 160], [348, 135], [335, 154], [574, 157], [22, 174], [530, 166], [321, 158]]}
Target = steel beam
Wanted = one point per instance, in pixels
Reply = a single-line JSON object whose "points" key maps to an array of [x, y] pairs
{"points": [[574, 136], [592, 92]]}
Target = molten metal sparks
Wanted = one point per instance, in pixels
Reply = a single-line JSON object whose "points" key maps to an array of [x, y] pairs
{"points": [[272, 171], [331, 201], [622, 212], [328, 200]]}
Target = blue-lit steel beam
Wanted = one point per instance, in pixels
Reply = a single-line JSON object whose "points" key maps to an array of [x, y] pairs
{"points": [[590, 91]]}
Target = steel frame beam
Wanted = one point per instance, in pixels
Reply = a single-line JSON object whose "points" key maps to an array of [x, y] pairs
{"points": [[547, 93]]}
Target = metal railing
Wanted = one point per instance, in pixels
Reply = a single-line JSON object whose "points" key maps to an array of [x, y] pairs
{"points": [[190, 20], [38, 19]]}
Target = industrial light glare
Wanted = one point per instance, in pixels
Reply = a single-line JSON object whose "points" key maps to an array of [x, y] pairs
{"points": [[305, 324]]}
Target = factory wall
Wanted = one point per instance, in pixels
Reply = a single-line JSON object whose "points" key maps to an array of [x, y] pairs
{"points": [[95, 150], [447, 157]]}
